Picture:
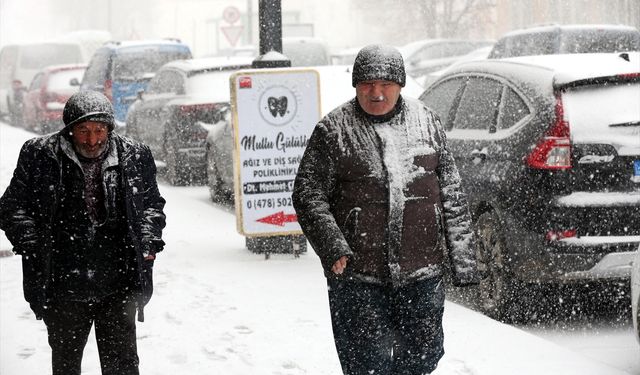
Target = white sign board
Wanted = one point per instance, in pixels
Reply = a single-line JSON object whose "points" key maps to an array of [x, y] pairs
{"points": [[274, 113]]}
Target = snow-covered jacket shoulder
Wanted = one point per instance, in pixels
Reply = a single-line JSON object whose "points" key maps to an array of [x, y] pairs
{"points": [[387, 195]]}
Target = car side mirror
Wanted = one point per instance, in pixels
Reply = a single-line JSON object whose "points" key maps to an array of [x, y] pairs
{"points": [[74, 82]]}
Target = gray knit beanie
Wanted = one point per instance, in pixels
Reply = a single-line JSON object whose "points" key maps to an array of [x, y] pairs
{"points": [[378, 62]]}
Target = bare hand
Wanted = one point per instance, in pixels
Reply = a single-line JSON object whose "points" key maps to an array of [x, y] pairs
{"points": [[340, 265]]}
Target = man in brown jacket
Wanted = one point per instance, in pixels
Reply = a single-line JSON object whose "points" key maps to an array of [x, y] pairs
{"points": [[378, 196]]}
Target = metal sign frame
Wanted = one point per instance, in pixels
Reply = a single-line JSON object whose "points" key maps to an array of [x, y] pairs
{"points": [[274, 112]]}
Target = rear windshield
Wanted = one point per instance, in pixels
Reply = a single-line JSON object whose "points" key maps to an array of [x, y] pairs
{"points": [[142, 63], [60, 81], [97, 71], [41, 55], [605, 114], [214, 85]]}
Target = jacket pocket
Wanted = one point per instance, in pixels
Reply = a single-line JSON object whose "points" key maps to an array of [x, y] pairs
{"points": [[350, 226]]}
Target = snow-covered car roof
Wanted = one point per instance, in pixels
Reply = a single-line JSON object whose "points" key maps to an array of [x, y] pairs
{"points": [[564, 68], [205, 63], [575, 67], [574, 27], [138, 43]]}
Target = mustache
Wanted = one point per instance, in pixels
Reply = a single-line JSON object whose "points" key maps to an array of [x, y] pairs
{"points": [[378, 98]]}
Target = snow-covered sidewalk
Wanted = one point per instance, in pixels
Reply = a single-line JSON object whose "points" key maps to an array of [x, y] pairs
{"points": [[219, 309]]}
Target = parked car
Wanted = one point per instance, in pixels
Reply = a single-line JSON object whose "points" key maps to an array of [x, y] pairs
{"points": [[635, 295], [564, 39], [548, 149], [47, 94], [121, 69], [335, 89], [174, 114], [428, 55], [19, 63]]}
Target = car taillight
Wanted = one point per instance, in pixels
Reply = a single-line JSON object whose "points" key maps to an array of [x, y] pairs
{"points": [[556, 235], [553, 151], [108, 89]]}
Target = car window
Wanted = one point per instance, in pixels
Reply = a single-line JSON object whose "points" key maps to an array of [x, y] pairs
{"points": [[513, 109], [61, 81], [539, 43], [479, 103], [40, 55], [442, 97], [35, 83], [166, 82], [599, 41], [96, 73], [136, 64]]}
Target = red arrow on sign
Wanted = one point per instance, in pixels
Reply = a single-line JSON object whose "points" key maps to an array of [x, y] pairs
{"points": [[279, 219]]}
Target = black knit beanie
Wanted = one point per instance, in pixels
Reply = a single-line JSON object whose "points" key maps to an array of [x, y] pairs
{"points": [[88, 106], [378, 62]]}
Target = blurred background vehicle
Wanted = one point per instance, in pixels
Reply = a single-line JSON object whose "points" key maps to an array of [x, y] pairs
{"points": [[184, 99], [428, 55], [121, 69], [345, 56], [549, 154], [306, 51], [302, 51], [560, 39], [47, 94], [19, 63], [635, 294]]}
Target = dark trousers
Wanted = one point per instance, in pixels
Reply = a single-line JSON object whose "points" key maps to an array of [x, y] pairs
{"points": [[383, 330], [69, 322]]}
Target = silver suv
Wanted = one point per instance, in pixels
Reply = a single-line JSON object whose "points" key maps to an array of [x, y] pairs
{"points": [[562, 39]]}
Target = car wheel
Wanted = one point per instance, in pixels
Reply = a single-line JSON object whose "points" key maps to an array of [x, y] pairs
{"points": [[213, 179], [294, 244], [174, 172], [495, 294]]}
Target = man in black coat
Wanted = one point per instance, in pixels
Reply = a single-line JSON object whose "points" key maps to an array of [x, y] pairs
{"points": [[378, 196], [84, 211]]}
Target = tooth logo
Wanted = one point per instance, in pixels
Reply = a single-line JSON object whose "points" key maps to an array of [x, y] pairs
{"points": [[277, 106]]}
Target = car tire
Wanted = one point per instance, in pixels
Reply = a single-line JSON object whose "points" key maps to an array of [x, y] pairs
{"points": [[213, 179], [496, 293], [293, 244]]}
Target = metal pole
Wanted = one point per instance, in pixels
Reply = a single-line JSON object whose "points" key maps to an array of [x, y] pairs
{"points": [[270, 18], [270, 26], [249, 21]]}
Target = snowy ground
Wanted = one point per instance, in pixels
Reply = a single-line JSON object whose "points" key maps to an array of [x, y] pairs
{"points": [[219, 309]]}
